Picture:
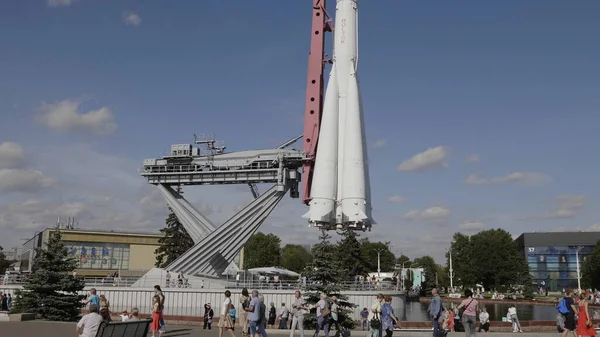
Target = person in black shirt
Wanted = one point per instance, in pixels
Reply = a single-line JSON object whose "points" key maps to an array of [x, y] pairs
{"points": [[570, 316]]}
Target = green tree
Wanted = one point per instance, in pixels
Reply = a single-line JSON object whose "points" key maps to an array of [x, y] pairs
{"points": [[462, 261], [295, 258], [175, 242], [369, 253], [50, 291], [325, 272], [4, 263], [262, 251], [590, 269], [403, 260], [497, 261], [430, 271], [349, 254]]}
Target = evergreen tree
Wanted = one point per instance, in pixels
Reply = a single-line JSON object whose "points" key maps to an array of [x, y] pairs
{"points": [[325, 273], [349, 254], [175, 242], [51, 291]]}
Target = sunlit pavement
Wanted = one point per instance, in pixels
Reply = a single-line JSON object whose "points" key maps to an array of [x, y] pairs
{"points": [[57, 329]]}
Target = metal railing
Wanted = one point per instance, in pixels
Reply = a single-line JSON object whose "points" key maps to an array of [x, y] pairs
{"points": [[210, 283]]}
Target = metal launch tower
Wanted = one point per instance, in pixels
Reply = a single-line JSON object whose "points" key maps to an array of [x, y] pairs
{"points": [[216, 246]]}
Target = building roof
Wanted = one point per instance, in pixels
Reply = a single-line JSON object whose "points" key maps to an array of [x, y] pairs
{"points": [[538, 239], [107, 232]]}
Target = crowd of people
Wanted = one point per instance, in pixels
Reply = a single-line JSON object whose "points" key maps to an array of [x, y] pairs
{"points": [[253, 316]]}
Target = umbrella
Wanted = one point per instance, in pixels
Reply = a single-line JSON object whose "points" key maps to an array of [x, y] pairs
{"points": [[273, 270]]}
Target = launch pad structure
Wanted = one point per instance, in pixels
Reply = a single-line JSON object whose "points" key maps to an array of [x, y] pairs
{"points": [[215, 247]]}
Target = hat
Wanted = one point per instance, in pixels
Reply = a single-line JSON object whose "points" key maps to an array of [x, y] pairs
{"points": [[124, 311]]}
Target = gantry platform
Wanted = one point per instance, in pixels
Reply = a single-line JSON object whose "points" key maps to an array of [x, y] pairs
{"points": [[216, 246]]}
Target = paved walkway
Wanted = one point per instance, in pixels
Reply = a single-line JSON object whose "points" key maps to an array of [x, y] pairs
{"points": [[57, 329]]}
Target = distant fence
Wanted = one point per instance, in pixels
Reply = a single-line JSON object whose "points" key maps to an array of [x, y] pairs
{"points": [[190, 302]]}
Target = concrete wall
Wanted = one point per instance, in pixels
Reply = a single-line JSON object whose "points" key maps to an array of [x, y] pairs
{"points": [[190, 302]]}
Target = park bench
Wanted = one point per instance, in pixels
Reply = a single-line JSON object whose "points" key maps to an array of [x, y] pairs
{"points": [[124, 329]]}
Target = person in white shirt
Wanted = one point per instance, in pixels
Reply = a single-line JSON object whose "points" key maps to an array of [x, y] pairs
{"points": [[89, 324], [512, 317], [484, 320], [284, 313], [322, 320], [225, 322], [375, 312]]}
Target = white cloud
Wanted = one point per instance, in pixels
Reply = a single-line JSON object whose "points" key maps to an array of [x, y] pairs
{"points": [[132, 19], [396, 199], [380, 143], [433, 213], [57, 3], [565, 207], [472, 159], [65, 116], [472, 226], [526, 178], [27, 181], [11, 156], [432, 158]]}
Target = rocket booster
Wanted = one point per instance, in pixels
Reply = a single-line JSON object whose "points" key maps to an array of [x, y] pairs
{"points": [[340, 188]]}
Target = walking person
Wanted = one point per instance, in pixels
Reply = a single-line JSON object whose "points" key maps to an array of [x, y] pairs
{"points": [[333, 317], [283, 317], [272, 315], [225, 321], [584, 323], [243, 314], [389, 317], [158, 292], [469, 314], [375, 317], [569, 315], [299, 309], [435, 310], [254, 316], [322, 317]]}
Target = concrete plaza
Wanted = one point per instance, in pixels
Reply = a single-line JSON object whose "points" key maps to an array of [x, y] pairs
{"points": [[58, 329]]}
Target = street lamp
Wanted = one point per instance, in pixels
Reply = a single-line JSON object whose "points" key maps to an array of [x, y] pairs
{"points": [[379, 261], [451, 272], [577, 249]]}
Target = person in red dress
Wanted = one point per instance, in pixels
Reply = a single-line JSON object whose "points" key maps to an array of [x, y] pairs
{"points": [[584, 323], [156, 310]]}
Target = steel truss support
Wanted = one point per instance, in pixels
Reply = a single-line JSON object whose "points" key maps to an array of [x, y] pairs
{"points": [[212, 255], [194, 222]]}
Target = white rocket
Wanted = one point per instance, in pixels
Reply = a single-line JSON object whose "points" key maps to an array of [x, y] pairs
{"points": [[340, 191]]}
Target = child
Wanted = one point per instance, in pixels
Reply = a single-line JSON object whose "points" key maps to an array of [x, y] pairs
{"points": [[232, 313], [124, 316]]}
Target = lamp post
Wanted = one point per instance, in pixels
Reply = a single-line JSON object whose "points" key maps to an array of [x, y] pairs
{"points": [[379, 262], [578, 273], [451, 272]]}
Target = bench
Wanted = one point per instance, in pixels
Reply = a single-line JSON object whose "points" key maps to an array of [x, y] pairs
{"points": [[124, 329]]}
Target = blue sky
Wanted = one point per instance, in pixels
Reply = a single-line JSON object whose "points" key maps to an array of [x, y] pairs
{"points": [[90, 88]]}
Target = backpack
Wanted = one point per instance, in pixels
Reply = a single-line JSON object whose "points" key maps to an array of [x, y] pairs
{"points": [[562, 307]]}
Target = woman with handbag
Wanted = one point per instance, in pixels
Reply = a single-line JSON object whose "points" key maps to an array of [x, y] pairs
{"points": [[469, 308], [584, 323], [375, 317], [225, 322]]}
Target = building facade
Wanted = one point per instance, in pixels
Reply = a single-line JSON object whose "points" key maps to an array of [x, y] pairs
{"points": [[99, 253], [552, 257]]}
